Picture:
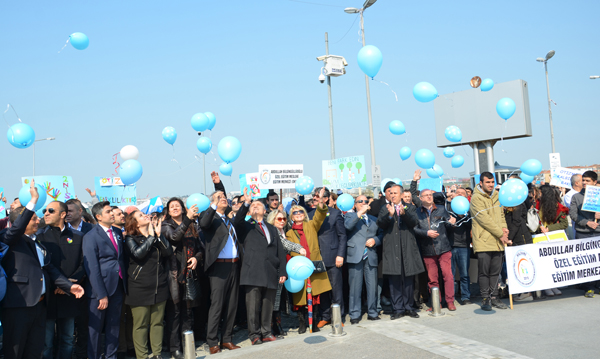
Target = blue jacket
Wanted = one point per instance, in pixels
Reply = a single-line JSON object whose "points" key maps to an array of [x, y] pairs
{"points": [[358, 233], [332, 236]]}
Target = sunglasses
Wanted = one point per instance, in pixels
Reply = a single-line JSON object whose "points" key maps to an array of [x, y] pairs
{"points": [[362, 201], [281, 219], [50, 210], [297, 212], [233, 203]]}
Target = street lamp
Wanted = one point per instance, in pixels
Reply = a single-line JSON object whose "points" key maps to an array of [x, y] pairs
{"points": [[549, 55], [42, 139], [594, 77], [352, 10]]}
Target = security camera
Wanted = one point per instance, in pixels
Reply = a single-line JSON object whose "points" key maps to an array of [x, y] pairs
{"points": [[321, 78], [199, 133]]}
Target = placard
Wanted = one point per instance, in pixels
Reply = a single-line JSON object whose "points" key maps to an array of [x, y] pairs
{"points": [[116, 195], [279, 176], [346, 172], [561, 177], [533, 267], [553, 236], [57, 188], [434, 184], [591, 200], [250, 181], [2, 204], [554, 161]]}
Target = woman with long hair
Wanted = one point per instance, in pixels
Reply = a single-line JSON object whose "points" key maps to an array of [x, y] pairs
{"points": [[181, 230], [147, 288]]}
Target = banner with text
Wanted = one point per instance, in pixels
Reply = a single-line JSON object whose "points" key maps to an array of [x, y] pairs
{"points": [[279, 176], [548, 265], [561, 177], [345, 173], [250, 181], [591, 201], [117, 195], [57, 188], [434, 184]]}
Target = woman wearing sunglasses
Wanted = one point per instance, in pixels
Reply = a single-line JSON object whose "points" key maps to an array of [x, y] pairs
{"points": [[304, 232]]}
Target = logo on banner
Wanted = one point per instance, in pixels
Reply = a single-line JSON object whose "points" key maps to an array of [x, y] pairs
{"points": [[265, 177], [524, 268]]}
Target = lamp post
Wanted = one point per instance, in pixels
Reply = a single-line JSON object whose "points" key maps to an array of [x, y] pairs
{"points": [[42, 139], [594, 77], [545, 61], [352, 10]]}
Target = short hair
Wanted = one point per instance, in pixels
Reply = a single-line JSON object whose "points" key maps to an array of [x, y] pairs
{"points": [[114, 207], [14, 214], [469, 189], [591, 175], [62, 206], [485, 174], [74, 201], [397, 185], [575, 178], [271, 194], [98, 207], [256, 203], [212, 196], [300, 208], [326, 192], [271, 217], [426, 190]]}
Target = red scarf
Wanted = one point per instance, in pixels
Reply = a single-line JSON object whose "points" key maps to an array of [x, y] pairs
{"points": [[299, 229]]}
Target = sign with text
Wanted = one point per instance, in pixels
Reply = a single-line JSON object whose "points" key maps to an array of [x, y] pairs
{"points": [[553, 236], [117, 195], [434, 184], [376, 176], [591, 200], [561, 176], [58, 188], [279, 176], [346, 172], [250, 181], [554, 161], [547, 265]]}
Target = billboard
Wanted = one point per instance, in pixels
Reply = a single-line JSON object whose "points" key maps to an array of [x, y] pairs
{"points": [[345, 172]]}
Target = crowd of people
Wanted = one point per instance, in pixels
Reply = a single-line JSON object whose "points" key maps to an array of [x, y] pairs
{"points": [[143, 280]]}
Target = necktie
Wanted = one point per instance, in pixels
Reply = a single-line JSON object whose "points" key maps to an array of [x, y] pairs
{"points": [[398, 210], [231, 233], [262, 229], [365, 254], [112, 239], [366, 219]]}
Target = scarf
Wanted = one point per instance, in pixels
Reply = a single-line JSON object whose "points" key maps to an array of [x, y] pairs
{"points": [[299, 228]]}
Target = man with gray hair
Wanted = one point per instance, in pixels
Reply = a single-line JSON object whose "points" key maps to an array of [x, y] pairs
{"points": [[576, 187]]}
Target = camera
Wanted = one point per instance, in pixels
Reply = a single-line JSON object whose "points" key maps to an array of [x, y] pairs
{"points": [[321, 78]]}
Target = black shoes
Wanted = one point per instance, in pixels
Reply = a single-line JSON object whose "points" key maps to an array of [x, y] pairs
{"points": [[486, 304], [374, 318], [412, 314], [497, 303], [354, 321], [466, 302], [395, 316], [177, 354]]}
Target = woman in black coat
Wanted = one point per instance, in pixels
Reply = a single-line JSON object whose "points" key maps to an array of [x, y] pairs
{"points": [[147, 289]]}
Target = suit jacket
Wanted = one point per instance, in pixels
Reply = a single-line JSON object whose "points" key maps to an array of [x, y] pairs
{"points": [[102, 263], [67, 257], [376, 206], [263, 262], [85, 226], [216, 234], [358, 234], [332, 236], [23, 270]]}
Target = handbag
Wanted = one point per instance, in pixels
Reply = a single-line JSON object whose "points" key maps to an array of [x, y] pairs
{"points": [[319, 266], [192, 286], [533, 220]]}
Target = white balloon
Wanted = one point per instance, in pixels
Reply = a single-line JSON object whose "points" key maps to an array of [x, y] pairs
{"points": [[129, 152]]}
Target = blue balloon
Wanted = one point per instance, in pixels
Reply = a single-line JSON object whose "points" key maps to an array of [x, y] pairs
{"points": [[212, 120], [130, 172], [200, 122], [25, 196], [40, 212], [299, 269], [460, 205], [513, 192], [405, 153], [170, 135], [425, 92], [435, 172], [79, 40], [453, 134], [457, 161], [345, 202], [424, 158], [294, 286], [199, 200], [397, 181], [229, 149], [448, 152], [20, 135], [487, 85], [526, 178], [531, 167], [204, 144], [304, 185], [506, 107], [370, 60], [397, 127], [226, 169]]}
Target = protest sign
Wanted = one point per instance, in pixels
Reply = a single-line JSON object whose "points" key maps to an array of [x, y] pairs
{"points": [[434, 184], [346, 172], [279, 176], [553, 236], [547, 265], [58, 188], [250, 181], [591, 200], [561, 176], [2, 204], [117, 195], [554, 161]]}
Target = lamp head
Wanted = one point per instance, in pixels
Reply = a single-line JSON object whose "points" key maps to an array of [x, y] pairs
{"points": [[351, 10], [550, 54], [594, 77], [540, 59]]}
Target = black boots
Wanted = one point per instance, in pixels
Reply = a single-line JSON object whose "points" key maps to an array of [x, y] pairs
{"points": [[302, 320], [276, 326]]}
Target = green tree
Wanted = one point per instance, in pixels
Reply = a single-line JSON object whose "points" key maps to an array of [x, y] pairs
{"points": [[341, 167], [358, 166]]}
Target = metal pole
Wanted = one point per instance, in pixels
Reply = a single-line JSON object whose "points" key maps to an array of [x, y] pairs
{"points": [[362, 29], [204, 169], [489, 151], [34, 158], [330, 105], [549, 106]]}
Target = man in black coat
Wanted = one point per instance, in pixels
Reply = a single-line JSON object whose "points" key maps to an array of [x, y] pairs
{"points": [[263, 268], [29, 273], [64, 244]]}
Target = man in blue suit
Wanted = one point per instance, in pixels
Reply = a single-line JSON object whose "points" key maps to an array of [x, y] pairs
{"points": [[106, 267], [363, 237]]}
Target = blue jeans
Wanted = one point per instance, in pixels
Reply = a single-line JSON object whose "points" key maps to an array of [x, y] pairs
{"points": [[461, 258], [356, 272], [65, 327]]}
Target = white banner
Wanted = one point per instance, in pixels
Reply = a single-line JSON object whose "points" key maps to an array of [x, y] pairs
{"points": [[279, 176], [548, 265], [561, 176]]}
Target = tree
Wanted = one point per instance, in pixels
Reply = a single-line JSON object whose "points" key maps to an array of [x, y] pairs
{"points": [[341, 171], [358, 166]]}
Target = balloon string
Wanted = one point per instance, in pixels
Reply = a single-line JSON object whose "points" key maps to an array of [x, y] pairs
{"points": [[66, 43], [390, 89], [463, 220], [173, 159], [463, 147], [502, 136], [8, 107], [181, 168], [116, 162]]}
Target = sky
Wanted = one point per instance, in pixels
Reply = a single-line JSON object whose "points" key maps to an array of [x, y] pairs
{"points": [[154, 64]]}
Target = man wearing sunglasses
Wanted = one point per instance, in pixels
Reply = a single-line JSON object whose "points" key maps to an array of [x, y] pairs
{"points": [[64, 244]]}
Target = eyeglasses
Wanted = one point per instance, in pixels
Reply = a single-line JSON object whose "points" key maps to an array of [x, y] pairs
{"points": [[50, 210], [233, 203], [362, 201], [297, 212], [282, 219]]}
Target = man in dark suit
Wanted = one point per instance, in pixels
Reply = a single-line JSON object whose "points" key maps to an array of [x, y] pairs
{"points": [[221, 265], [64, 244], [105, 264], [29, 272], [262, 270], [363, 237], [74, 217], [332, 242]]}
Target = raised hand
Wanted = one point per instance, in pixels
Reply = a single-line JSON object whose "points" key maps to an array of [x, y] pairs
{"points": [[192, 212], [417, 175], [247, 198], [33, 191], [391, 209], [92, 193], [215, 177], [158, 226]]}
